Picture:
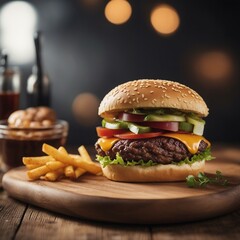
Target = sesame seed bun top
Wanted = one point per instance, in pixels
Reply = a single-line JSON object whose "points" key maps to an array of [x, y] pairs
{"points": [[149, 93]]}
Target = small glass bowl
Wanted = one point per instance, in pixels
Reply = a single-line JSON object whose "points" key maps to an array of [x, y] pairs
{"points": [[16, 143]]}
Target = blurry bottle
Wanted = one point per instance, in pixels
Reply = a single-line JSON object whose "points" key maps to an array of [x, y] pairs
{"points": [[9, 88], [38, 83]]}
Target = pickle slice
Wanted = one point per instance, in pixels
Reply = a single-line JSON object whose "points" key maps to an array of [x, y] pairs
{"points": [[138, 129], [198, 125], [114, 125], [186, 126], [164, 118]]}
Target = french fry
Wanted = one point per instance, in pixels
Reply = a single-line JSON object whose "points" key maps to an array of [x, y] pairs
{"points": [[68, 160], [62, 150], [32, 166], [69, 171], [55, 165], [37, 160], [60, 163], [85, 155], [54, 175], [89, 166], [36, 173], [76, 157], [59, 156], [83, 152], [79, 172]]}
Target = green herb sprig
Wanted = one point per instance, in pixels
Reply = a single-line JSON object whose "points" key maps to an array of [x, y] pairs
{"points": [[202, 180]]}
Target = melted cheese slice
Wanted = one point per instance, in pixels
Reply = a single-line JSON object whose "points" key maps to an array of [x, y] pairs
{"points": [[191, 141], [106, 143]]}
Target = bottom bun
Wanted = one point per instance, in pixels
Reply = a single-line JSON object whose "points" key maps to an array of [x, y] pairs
{"points": [[158, 173]]}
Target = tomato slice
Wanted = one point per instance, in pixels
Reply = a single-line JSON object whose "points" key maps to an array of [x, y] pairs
{"points": [[170, 126], [105, 132], [130, 117], [130, 135]]}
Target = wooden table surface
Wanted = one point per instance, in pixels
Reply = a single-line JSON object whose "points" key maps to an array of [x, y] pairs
{"points": [[19, 220]]}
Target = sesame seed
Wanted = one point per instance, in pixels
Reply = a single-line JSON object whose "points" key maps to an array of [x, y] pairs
{"points": [[167, 96], [176, 90]]}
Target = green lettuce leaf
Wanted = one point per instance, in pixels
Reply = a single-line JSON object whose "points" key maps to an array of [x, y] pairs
{"points": [[104, 161], [206, 155]]}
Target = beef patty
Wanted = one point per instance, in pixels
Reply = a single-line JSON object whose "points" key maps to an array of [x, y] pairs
{"points": [[162, 150]]}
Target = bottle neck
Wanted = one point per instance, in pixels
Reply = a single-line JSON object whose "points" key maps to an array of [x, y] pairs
{"points": [[38, 89]]}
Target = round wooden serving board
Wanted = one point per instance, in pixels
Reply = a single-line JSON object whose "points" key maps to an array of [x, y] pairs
{"points": [[96, 198]]}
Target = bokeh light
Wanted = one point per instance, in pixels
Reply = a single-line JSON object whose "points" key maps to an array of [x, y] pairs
{"points": [[118, 11], [18, 20], [215, 66], [85, 108], [165, 19]]}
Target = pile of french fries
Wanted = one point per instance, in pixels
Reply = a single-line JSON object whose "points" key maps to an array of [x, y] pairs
{"points": [[58, 163]]}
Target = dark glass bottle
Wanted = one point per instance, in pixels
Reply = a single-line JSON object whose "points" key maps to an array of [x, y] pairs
{"points": [[9, 88], [38, 83]]}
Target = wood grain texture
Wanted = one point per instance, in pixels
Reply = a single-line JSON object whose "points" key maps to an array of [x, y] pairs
{"points": [[221, 228], [39, 224], [103, 200], [11, 214]]}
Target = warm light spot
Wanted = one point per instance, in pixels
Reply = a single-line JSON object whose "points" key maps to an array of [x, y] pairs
{"points": [[18, 20], [214, 66], [85, 109], [118, 11], [165, 19]]}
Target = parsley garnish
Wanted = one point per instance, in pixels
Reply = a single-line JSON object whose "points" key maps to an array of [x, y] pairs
{"points": [[202, 180]]}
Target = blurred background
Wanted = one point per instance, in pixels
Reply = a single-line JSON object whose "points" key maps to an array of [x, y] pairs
{"points": [[90, 46]]}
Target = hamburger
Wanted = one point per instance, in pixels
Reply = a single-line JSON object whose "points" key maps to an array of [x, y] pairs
{"points": [[152, 131]]}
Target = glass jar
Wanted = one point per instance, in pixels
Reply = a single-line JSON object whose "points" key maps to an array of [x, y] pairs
{"points": [[16, 143]]}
